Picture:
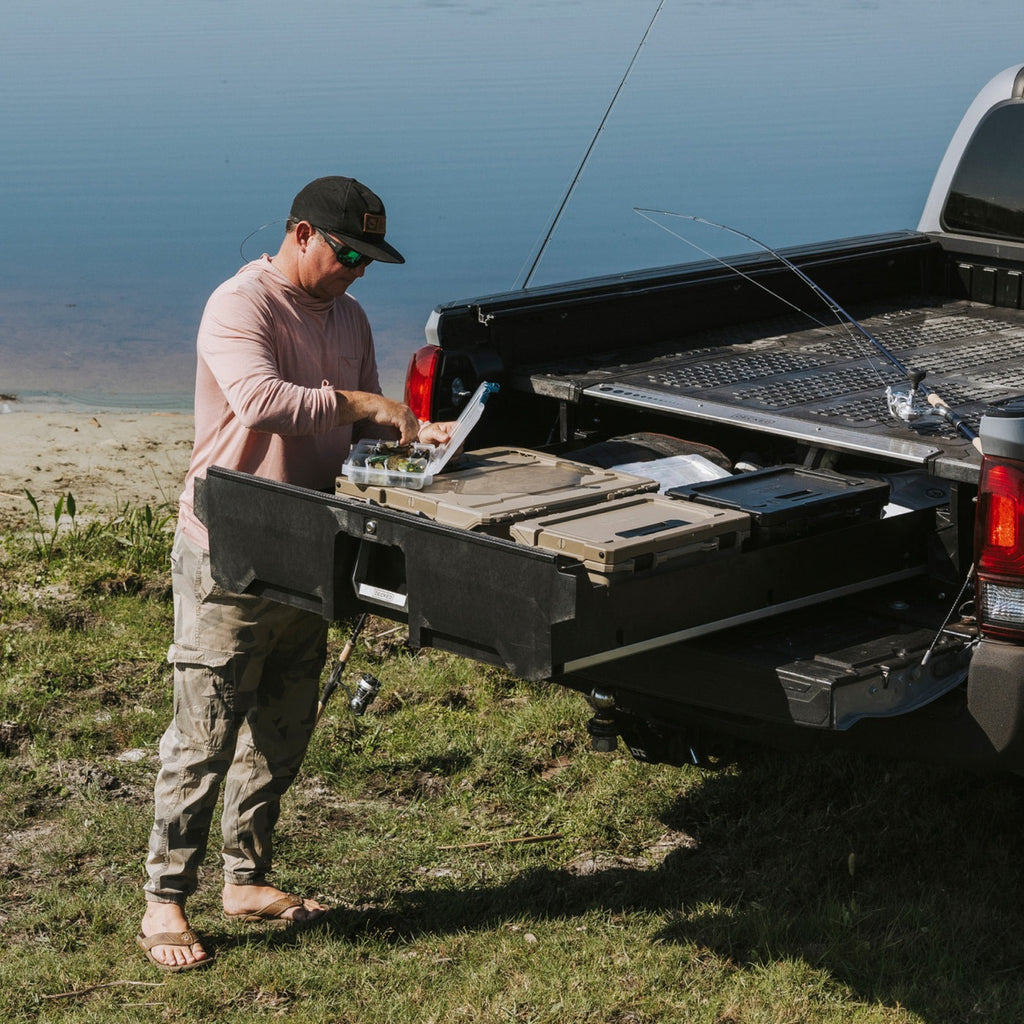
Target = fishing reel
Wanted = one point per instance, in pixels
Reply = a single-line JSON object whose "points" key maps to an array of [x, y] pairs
{"points": [[366, 690], [908, 402]]}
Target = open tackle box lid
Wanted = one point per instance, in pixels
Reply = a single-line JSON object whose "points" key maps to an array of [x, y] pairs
{"points": [[494, 487], [371, 462], [633, 533]]}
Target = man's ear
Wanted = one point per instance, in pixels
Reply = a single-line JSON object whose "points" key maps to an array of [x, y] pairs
{"points": [[304, 231]]}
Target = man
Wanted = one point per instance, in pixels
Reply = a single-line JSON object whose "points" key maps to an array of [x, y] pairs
{"points": [[286, 375]]}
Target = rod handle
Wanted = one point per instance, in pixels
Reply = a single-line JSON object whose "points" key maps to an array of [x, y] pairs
{"points": [[955, 419]]}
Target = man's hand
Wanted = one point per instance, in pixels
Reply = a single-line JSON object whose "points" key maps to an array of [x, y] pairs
{"points": [[439, 433], [399, 416], [435, 433]]}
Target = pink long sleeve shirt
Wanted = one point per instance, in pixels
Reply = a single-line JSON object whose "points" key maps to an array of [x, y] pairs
{"points": [[270, 358]]}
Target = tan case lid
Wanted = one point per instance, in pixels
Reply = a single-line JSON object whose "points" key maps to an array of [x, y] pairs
{"points": [[494, 487], [613, 535]]}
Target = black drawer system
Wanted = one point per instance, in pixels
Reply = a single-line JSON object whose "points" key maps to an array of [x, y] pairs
{"points": [[537, 611]]}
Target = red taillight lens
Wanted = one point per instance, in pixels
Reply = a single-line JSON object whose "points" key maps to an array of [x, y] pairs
{"points": [[999, 536], [999, 549], [420, 380]]}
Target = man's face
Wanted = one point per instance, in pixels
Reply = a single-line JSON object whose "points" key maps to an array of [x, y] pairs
{"points": [[322, 276]]}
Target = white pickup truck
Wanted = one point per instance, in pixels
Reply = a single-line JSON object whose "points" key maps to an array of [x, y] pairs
{"points": [[714, 497]]}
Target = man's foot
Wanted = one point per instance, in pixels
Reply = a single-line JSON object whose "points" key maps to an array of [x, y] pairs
{"points": [[254, 903], [182, 948]]}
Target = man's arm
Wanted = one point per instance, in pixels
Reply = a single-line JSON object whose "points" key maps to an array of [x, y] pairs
{"points": [[392, 416]]}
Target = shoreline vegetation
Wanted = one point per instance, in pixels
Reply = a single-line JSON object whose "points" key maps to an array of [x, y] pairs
{"points": [[484, 864]]}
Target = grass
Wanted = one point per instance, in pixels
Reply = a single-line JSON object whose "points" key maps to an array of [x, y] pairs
{"points": [[781, 889]]}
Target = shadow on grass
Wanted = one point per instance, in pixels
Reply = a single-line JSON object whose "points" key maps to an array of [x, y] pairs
{"points": [[903, 883]]}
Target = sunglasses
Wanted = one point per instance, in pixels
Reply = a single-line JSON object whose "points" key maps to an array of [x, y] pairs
{"points": [[346, 257]]}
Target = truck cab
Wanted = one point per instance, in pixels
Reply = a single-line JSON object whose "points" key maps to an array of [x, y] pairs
{"points": [[716, 498]]}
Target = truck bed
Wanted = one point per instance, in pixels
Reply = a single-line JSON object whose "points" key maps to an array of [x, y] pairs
{"points": [[736, 373], [747, 363], [822, 385]]}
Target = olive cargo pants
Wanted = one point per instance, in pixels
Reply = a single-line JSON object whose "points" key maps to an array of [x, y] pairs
{"points": [[246, 675]]}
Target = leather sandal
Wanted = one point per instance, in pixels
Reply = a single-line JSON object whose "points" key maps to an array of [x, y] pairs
{"points": [[187, 938], [273, 911]]}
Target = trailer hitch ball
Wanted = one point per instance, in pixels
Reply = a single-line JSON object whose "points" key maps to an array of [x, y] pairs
{"points": [[604, 734]]}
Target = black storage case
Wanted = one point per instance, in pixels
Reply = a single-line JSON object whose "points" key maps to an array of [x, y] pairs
{"points": [[786, 502]]}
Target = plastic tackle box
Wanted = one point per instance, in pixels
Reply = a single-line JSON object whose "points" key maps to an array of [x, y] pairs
{"points": [[388, 464]]}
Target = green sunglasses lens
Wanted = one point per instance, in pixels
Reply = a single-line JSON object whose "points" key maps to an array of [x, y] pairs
{"points": [[346, 257]]}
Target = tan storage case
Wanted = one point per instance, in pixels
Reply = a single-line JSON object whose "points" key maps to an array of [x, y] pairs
{"points": [[636, 533]]}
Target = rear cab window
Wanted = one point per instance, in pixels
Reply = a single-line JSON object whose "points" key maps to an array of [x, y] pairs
{"points": [[987, 193]]}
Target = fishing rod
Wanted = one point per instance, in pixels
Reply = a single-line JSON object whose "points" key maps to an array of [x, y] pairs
{"points": [[915, 377], [590, 149], [334, 680]]}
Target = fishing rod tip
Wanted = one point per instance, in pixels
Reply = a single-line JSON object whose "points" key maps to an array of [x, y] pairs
{"points": [[643, 210]]}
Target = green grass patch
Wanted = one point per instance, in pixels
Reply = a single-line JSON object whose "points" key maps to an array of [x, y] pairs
{"points": [[780, 889]]}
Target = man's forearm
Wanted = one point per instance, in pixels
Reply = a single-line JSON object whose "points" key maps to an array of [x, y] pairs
{"points": [[385, 413]]}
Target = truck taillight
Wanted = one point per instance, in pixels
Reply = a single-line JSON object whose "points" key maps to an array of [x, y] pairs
{"points": [[999, 549], [421, 379]]}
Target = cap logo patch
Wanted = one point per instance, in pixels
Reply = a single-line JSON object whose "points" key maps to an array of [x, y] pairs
{"points": [[373, 223]]}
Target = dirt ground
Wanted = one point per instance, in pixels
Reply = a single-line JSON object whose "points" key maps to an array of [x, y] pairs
{"points": [[104, 459]]}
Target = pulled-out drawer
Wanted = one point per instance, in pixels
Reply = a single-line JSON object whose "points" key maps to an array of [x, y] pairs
{"points": [[539, 612]]}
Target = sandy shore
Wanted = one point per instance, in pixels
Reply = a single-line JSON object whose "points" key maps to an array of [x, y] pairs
{"points": [[103, 459]]}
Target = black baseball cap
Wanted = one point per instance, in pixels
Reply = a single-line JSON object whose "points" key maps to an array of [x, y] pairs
{"points": [[347, 209]]}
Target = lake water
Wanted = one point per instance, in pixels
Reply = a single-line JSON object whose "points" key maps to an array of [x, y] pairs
{"points": [[144, 142]]}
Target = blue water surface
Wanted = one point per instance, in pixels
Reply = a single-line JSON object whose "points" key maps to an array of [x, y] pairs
{"points": [[144, 142]]}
